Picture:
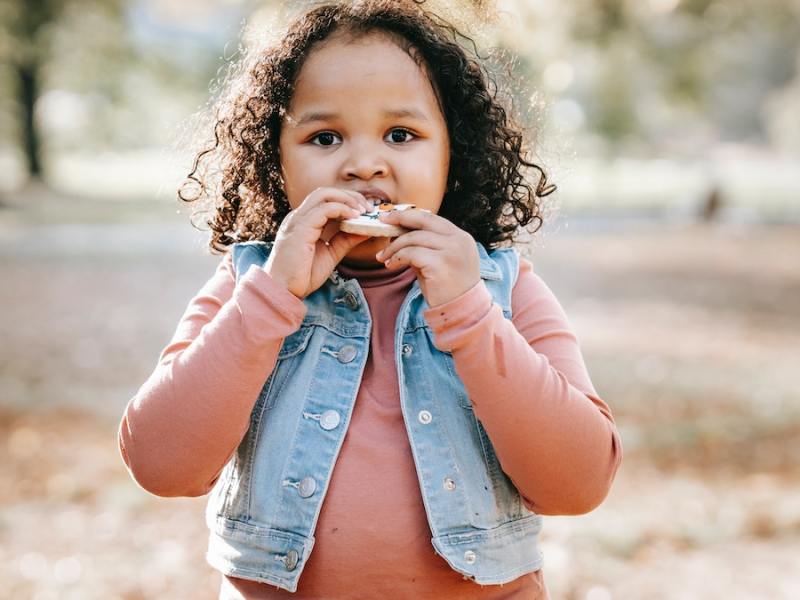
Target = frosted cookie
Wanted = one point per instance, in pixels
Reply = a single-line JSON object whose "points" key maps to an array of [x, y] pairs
{"points": [[368, 223]]}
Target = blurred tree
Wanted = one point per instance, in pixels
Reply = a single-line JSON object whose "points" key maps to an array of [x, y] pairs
{"points": [[656, 75], [626, 76], [28, 28], [782, 116], [23, 24]]}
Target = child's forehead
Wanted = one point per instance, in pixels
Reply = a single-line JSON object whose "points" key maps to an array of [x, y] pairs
{"points": [[362, 73], [371, 53]]}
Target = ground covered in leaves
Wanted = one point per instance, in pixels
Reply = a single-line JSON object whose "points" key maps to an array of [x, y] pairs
{"points": [[690, 333]]}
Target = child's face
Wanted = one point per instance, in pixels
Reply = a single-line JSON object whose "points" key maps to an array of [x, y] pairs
{"points": [[339, 131]]}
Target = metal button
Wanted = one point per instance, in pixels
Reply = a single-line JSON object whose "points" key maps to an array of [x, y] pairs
{"points": [[346, 354], [470, 556], [449, 484], [330, 420], [307, 487], [290, 560], [424, 417], [407, 349], [351, 300]]}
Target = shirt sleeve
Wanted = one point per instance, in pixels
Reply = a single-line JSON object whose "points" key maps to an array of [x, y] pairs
{"points": [[553, 435], [187, 419]]}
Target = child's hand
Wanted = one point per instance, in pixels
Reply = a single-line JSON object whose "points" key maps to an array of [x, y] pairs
{"points": [[299, 258], [445, 257]]}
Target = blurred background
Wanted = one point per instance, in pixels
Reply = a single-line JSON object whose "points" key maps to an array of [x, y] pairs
{"points": [[672, 129]]}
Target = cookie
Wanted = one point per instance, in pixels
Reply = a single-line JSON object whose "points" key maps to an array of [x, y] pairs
{"points": [[368, 223]]}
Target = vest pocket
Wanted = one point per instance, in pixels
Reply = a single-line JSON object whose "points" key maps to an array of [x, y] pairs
{"points": [[226, 483], [296, 342], [507, 496], [446, 358], [284, 367]]}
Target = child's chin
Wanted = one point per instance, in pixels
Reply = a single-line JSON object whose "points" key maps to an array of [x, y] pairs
{"points": [[363, 255], [370, 246]]}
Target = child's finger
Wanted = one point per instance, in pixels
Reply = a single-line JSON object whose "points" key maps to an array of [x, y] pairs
{"points": [[319, 216], [418, 237], [341, 243], [329, 194], [417, 219], [416, 256], [362, 200]]}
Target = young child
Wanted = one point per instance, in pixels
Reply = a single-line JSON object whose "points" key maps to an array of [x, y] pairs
{"points": [[406, 407]]}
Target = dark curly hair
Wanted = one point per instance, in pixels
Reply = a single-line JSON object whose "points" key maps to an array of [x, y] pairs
{"points": [[487, 194]]}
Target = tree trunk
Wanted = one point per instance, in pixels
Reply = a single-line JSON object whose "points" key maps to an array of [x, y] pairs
{"points": [[28, 80]]}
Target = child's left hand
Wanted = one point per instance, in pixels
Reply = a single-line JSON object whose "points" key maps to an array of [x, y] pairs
{"points": [[444, 256]]}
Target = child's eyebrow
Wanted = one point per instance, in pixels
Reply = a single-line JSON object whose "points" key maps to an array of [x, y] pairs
{"points": [[397, 113]]}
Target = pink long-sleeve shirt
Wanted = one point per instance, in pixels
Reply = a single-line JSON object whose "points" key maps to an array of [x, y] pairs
{"points": [[526, 378]]}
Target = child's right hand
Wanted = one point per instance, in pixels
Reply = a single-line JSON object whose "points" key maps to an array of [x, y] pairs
{"points": [[302, 261]]}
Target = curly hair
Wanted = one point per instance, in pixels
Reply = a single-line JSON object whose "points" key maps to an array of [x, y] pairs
{"points": [[487, 194]]}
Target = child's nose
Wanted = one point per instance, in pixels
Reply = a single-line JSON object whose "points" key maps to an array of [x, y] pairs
{"points": [[366, 171], [365, 163]]}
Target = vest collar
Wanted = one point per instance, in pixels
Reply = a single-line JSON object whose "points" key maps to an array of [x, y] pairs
{"points": [[489, 268]]}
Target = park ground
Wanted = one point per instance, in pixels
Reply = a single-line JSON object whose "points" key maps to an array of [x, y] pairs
{"points": [[690, 332]]}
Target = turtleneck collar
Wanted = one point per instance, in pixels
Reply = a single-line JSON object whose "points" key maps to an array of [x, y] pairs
{"points": [[368, 278]]}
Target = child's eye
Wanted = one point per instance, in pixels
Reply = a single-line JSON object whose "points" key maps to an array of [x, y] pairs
{"points": [[402, 132], [326, 138]]}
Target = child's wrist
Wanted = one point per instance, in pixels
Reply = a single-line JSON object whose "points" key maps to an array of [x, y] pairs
{"points": [[279, 279]]}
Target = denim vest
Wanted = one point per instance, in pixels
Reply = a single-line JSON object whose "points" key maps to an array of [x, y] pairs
{"points": [[264, 507]]}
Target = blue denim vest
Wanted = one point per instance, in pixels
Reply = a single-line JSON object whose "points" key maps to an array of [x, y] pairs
{"points": [[264, 507]]}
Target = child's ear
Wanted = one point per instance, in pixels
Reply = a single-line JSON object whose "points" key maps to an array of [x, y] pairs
{"points": [[453, 185], [282, 180]]}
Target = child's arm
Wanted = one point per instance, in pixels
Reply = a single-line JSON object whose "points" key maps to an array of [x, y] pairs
{"points": [[186, 421], [554, 437]]}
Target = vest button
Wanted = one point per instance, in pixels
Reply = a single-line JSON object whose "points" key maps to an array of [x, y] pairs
{"points": [[290, 560], [351, 301], [470, 557], [307, 487], [330, 420], [449, 484], [424, 417], [407, 349], [346, 354]]}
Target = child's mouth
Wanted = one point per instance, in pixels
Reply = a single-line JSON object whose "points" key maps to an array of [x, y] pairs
{"points": [[375, 195]]}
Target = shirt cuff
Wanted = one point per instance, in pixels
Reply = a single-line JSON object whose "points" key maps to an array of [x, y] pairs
{"points": [[451, 319], [257, 282]]}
